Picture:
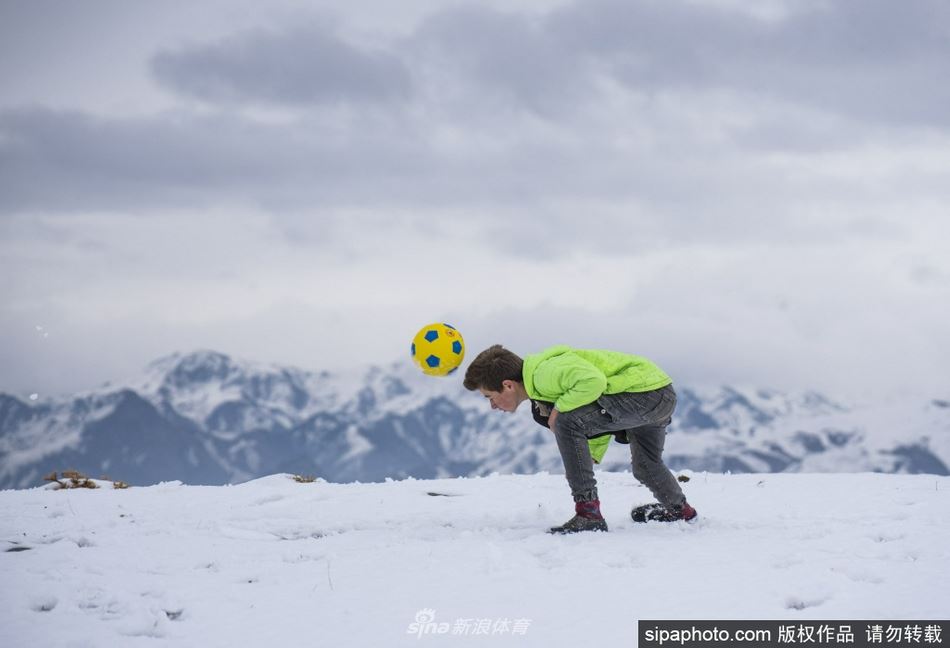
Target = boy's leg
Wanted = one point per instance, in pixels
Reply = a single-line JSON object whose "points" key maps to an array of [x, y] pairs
{"points": [[646, 458], [571, 431], [648, 412]]}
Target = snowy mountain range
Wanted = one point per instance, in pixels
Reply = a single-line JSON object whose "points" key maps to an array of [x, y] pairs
{"points": [[207, 418]]}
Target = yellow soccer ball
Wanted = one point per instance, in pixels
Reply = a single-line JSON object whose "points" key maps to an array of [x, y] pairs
{"points": [[438, 349]]}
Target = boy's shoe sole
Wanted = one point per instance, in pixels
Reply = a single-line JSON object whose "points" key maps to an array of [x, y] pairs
{"points": [[658, 513], [643, 513], [577, 524]]}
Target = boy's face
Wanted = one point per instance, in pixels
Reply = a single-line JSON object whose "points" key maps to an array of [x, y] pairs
{"points": [[507, 400]]}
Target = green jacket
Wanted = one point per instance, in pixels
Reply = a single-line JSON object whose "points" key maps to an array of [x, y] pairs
{"points": [[571, 378]]}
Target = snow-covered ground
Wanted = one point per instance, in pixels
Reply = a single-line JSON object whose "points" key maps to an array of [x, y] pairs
{"points": [[275, 562]]}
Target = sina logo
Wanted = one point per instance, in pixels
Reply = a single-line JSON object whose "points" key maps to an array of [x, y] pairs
{"points": [[425, 624]]}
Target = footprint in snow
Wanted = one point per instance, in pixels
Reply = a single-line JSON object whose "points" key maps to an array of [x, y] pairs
{"points": [[302, 558], [16, 546], [859, 576], [145, 623], [269, 499], [796, 603], [787, 563], [103, 604], [43, 603], [299, 534]]}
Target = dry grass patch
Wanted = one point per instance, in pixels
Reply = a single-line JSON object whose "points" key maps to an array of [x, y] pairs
{"points": [[75, 479]]}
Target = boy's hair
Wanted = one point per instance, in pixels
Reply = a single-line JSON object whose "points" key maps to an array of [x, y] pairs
{"points": [[491, 367]]}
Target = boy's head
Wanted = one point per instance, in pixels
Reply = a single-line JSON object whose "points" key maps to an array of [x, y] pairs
{"points": [[496, 373]]}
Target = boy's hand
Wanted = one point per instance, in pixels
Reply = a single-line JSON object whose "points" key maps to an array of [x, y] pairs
{"points": [[552, 418]]}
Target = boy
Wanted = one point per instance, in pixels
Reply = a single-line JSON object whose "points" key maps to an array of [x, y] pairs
{"points": [[583, 395]]}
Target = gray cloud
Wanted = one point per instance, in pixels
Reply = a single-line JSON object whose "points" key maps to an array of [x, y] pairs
{"points": [[483, 55], [670, 111], [871, 60], [302, 65], [74, 161], [65, 160]]}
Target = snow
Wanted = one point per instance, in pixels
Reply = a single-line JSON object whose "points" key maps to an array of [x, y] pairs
{"points": [[278, 562]]}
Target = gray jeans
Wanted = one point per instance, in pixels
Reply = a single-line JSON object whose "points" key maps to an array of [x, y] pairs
{"points": [[644, 416]]}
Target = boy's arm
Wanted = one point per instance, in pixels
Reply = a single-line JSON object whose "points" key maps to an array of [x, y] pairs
{"points": [[541, 411]]}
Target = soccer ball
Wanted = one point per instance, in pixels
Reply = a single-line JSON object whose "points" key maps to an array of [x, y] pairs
{"points": [[438, 349]]}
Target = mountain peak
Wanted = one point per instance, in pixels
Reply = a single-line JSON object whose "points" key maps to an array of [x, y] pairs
{"points": [[203, 366]]}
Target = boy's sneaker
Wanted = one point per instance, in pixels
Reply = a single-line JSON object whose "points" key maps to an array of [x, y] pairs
{"points": [[580, 523], [588, 518], [659, 513]]}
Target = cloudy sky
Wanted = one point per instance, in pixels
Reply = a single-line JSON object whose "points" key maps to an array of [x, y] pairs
{"points": [[749, 193]]}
